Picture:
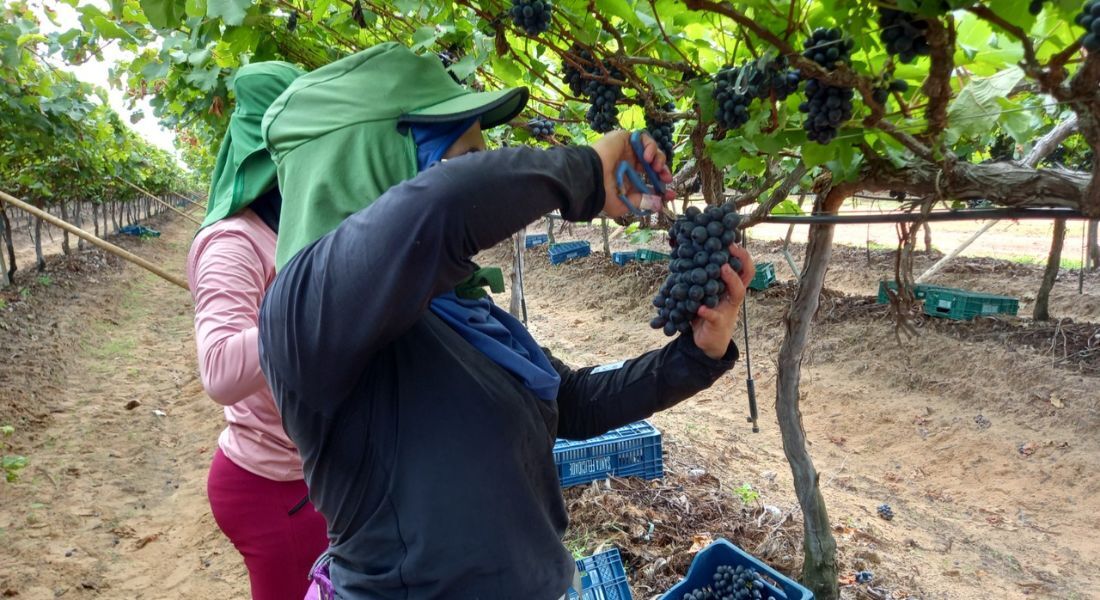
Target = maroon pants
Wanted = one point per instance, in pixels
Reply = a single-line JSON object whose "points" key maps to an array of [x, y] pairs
{"points": [[254, 513]]}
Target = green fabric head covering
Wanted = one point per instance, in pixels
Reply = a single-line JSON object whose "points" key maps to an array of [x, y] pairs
{"points": [[244, 169], [338, 138]]}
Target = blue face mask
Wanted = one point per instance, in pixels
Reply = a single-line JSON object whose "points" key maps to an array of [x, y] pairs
{"points": [[492, 331], [433, 140]]}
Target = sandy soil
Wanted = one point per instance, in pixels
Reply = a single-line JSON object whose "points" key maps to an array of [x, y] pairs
{"points": [[113, 503], [1021, 240], [987, 453]]}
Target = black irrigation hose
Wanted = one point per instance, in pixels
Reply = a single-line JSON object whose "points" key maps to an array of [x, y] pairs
{"points": [[915, 217], [750, 385]]}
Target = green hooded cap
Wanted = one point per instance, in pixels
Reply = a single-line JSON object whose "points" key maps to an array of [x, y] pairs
{"points": [[244, 169], [339, 139]]}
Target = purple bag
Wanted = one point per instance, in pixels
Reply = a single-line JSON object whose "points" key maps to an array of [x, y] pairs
{"points": [[321, 588]]}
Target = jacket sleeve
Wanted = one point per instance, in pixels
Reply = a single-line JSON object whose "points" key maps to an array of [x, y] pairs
{"points": [[361, 286], [227, 283], [595, 400]]}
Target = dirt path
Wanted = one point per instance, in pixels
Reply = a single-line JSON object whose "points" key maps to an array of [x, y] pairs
{"points": [[113, 503]]}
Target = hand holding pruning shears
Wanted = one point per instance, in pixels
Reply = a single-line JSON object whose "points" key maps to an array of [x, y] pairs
{"points": [[624, 154]]}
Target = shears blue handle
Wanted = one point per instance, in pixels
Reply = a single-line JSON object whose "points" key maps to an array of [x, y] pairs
{"points": [[655, 187]]}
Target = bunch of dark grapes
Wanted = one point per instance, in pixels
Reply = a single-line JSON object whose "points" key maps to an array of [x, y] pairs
{"points": [[576, 77], [781, 81], [541, 128], [603, 116], [532, 16], [662, 132], [1036, 6], [1089, 18], [903, 34], [292, 21], [700, 241], [732, 109], [734, 97], [732, 583], [775, 79], [827, 107], [827, 48], [886, 512], [882, 93]]}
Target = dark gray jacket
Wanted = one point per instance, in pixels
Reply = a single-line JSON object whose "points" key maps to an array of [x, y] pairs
{"points": [[432, 465]]}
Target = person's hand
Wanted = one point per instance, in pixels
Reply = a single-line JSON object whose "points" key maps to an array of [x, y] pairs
{"points": [[713, 328], [614, 148]]}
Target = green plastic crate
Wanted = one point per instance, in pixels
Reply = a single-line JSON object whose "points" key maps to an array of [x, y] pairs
{"points": [[765, 276], [645, 255], [919, 290], [961, 305]]}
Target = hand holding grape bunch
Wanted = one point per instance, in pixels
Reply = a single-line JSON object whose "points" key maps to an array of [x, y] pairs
{"points": [[708, 276]]}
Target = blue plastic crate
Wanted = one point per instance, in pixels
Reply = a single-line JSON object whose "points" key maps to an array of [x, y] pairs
{"points": [[621, 258], [630, 451], [564, 251], [602, 577], [138, 231], [536, 239], [720, 553]]}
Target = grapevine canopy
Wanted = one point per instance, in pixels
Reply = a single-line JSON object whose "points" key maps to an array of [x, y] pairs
{"points": [[935, 83]]}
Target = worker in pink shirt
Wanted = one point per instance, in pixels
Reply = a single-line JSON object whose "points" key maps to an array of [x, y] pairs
{"points": [[256, 488]]}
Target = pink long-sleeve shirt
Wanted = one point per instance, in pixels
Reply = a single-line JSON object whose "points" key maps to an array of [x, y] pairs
{"points": [[230, 265]]}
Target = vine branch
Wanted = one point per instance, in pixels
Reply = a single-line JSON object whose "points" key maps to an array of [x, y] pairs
{"points": [[941, 40], [778, 195], [1050, 141], [656, 62]]}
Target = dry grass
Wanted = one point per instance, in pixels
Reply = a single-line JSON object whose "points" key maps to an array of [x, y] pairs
{"points": [[658, 526]]}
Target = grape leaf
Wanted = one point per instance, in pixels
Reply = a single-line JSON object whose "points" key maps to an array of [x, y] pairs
{"points": [[232, 12], [195, 8], [164, 14], [814, 154], [623, 10], [110, 30], [786, 207], [976, 108], [728, 151]]}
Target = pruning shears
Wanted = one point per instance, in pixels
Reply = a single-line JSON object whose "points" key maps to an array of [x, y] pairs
{"points": [[655, 187]]}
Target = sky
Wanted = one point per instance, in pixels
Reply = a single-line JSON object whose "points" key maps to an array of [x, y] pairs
{"points": [[96, 72]]}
